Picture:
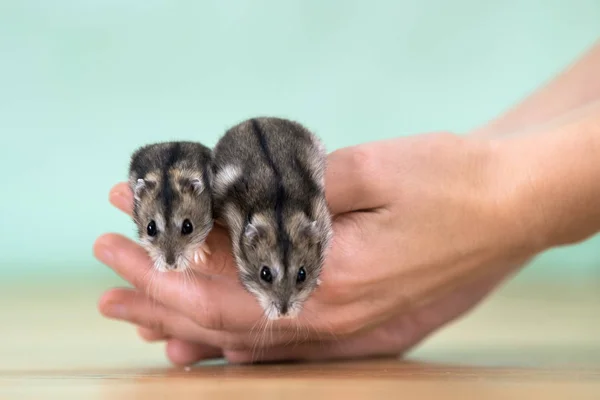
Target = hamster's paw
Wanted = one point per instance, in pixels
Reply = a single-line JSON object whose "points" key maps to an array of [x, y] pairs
{"points": [[201, 253]]}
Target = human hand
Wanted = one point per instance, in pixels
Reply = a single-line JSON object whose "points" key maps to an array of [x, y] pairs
{"points": [[423, 230]]}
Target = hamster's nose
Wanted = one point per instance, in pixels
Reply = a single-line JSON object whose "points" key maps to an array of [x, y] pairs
{"points": [[283, 309], [170, 259]]}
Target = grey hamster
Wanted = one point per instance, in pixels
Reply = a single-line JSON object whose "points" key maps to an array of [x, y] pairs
{"points": [[269, 191], [173, 205]]}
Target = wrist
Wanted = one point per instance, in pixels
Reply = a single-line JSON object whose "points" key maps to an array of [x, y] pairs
{"points": [[516, 219], [551, 178]]}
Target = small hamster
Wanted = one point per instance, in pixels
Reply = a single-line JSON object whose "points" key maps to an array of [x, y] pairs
{"points": [[268, 190], [173, 205]]}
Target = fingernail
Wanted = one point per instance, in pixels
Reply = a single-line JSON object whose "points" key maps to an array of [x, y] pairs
{"points": [[106, 255]]}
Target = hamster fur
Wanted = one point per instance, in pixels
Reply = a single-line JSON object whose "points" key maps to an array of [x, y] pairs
{"points": [[268, 190], [173, 205]]}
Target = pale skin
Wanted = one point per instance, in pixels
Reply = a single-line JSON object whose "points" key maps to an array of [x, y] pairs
{"points": [[447, 220]]}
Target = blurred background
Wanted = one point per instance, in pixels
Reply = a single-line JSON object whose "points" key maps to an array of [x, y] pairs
{"points": [[84, 82]]}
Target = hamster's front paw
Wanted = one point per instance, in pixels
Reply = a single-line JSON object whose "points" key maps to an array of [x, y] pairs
{"points": [[202, 253]]}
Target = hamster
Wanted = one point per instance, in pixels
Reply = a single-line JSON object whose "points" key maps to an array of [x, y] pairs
{"points": [[268, 190], [173, 205]]}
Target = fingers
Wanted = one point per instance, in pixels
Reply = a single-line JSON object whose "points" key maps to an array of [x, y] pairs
{"points": [[158, 322], [185, 353], [151, 335], [155, 320], [363, 346], [393, 337], [121, 197], [216, 303], [349, 269], [181, 352], [351, 180]]}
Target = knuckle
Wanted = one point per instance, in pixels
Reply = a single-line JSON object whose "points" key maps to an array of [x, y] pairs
{"points": [[149, 335], [157, 326], [363, 161]]}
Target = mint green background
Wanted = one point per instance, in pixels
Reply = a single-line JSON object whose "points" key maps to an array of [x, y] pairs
{"points": [[82, 83]]}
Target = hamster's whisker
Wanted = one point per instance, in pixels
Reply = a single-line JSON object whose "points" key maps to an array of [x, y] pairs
{"points": [[264, 337], [152, 287], [331, 334], [156, 286], [311, 327], [292, 339], [296, 334], [261, 323], [269, 332], [258, 340], [184, 278], [254, 331], [187, 276], [265, 333], [300, 330]]}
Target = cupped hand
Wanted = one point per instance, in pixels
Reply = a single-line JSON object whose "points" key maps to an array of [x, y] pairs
{"points": [[423, 230]]}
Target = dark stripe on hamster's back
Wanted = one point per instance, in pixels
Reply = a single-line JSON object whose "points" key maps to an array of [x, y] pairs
{"points": [[308, 184], [280, 195], [262, 141], [173, 154], [207, 184], [142, 161]]}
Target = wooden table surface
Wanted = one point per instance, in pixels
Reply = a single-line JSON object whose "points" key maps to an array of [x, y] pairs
{"points": [[526, 341]]}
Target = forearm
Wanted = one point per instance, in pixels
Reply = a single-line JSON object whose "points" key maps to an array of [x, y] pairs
{"points": [[555, 174], [576, 86]]}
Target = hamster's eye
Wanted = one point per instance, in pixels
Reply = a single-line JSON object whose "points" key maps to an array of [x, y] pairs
{"points": [[186, 227], [301, 275], [151, 228], [265, 274]]}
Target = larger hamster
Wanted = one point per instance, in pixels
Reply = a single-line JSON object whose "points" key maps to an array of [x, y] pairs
{"points": [[269, 191], [173, 205]]}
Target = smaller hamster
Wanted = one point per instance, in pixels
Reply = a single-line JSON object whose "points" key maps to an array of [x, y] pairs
{"points": [[173, 205], [268, 190]]}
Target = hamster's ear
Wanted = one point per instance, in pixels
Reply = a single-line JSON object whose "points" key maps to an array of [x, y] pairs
{"points": [[193, 184], [252, 234], [310, 231], [198, 185], [140, 186]]}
